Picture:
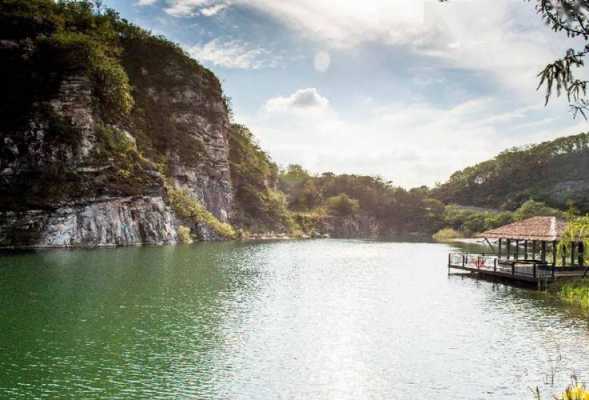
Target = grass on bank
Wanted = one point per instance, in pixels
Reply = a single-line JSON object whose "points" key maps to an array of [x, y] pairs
{"points": [[447, 234], [190, 209], [574, 292]]}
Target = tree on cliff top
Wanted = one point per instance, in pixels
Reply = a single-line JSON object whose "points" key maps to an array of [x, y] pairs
{"points": [[572, 18]]}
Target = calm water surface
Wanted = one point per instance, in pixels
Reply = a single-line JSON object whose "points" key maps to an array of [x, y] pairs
{"points": [[292, 320]]}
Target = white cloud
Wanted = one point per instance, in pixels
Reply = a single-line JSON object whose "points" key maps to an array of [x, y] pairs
{"points": [[213, 10], [184, 8], [411, 143], [233, 54], [142, 3], [509, 45], [302, 100]]}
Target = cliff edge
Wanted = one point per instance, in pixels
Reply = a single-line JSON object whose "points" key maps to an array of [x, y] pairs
{"points": [[108, 135]]}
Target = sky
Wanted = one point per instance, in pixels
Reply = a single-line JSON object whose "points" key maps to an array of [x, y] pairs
{"points": [[408, 90]]}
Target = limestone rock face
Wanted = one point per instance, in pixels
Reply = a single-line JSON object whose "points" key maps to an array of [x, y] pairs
{"points": [[360, 226], [107, 222], [59, 187], [192, 125]]}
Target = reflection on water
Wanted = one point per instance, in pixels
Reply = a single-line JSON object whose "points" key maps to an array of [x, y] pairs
{"points": [[295, 320]]}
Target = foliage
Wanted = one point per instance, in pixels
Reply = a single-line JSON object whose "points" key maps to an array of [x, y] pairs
{"points": [[575, 292], [446, 234], [516, 175], [342, 205], [532, 208], [160, 73], [577, 230], [471, 220], [133, 173], [184, 235], [72, 37], [572, 18], [260, 206], [189, 208], [397, 210]]}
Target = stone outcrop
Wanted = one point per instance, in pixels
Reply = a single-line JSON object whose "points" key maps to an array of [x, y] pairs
{"points": [[360, 226], [60, 188], [106, 222]]}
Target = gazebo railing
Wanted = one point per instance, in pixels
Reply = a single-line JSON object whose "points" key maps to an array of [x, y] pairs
{"points": [[492, 263]]}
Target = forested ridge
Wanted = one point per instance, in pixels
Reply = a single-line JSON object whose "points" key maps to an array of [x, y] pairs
{"points": [[554, 172]]}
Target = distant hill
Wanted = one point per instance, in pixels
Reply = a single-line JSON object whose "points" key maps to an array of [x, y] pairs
{"points": [[554, 172]]}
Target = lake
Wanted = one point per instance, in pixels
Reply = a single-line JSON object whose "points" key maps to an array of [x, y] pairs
{"points": [[321, 319]]}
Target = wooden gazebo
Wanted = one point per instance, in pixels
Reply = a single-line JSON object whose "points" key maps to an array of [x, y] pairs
{"points": [[533, 240]]}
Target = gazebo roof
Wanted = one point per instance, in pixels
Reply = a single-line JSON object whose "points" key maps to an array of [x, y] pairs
{"points": [[535, 228]]}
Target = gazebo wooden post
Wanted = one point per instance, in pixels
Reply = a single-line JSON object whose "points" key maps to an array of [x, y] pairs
{"points": [[581, 256], [508, 245], [564, 255], [554, 248], [543, 254], [516, 249], [499, 249], [533, 249], [526, 249]]}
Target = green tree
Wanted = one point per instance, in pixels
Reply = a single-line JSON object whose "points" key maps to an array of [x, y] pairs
{"points": [[533, 208], [342, 205]]}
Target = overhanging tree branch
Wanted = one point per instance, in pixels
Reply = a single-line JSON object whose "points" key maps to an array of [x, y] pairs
{"points": [[572, 18]]}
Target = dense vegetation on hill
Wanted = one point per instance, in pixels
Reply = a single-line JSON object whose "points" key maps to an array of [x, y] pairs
{"points": [[260, 206], [390, 210], [553, 172]]}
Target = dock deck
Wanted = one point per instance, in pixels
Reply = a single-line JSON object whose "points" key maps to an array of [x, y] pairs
{"points": [[532, 272]]}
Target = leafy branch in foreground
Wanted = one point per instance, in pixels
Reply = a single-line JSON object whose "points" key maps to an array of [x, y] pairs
{"points": [[558, 77]]}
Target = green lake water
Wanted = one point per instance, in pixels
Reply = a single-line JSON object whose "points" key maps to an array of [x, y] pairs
{"points": [[324, 319]]}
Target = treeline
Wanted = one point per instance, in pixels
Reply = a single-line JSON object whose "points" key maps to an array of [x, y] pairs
{"points": [[295, 201], [553, 172], [460, 221], [394, 210]]}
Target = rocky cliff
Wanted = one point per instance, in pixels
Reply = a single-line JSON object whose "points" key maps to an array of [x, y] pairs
{"points": [[110, 136]]}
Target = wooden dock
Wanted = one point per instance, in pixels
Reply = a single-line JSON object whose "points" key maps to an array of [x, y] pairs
{"points": [[531, 272]]}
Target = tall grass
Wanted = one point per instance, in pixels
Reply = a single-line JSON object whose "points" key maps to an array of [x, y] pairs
{"points": [[575, 292]]}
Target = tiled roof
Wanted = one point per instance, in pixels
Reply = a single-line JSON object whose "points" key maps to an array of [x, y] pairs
{"points": [[535, 228]]}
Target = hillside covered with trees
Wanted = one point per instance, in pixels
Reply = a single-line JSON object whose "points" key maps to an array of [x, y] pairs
{"points": [[553, 172]]}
